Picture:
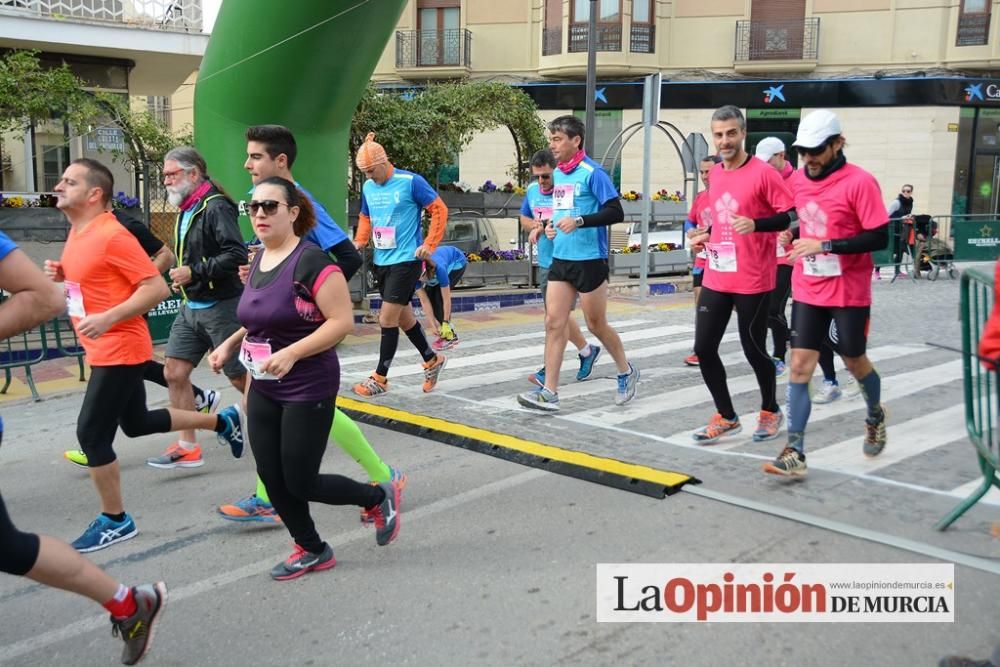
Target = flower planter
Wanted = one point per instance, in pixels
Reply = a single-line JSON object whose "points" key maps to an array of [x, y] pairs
{"points": [[481, 274], [629, 264], [660, 210], [625, 264], [494, 201], [34, 224]]}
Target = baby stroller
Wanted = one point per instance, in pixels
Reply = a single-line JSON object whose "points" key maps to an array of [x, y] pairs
{"points": [[931, 254]]}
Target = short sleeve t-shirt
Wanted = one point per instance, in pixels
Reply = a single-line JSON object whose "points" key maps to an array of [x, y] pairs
{"points": [[447, 259], [538, 206], [581, 192], [840, 206], [326, 233], [700, 216], [755, 190], [394, 209], [6, 245], [105, 263]]}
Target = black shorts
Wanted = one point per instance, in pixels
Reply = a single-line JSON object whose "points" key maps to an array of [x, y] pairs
{"points": [[585, 275], [844, 329], [397, 283]]}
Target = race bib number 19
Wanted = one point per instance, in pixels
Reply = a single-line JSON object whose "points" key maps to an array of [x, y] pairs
{"points": [[385, 238]]}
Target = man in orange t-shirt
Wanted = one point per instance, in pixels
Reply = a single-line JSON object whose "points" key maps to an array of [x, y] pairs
{"points": [[109, 283]]}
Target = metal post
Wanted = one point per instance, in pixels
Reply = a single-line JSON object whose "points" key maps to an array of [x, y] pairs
{"points": [[588, 142], [650, 116]]}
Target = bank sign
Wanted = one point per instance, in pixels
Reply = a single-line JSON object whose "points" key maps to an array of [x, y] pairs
{"points": [[982, 92]]}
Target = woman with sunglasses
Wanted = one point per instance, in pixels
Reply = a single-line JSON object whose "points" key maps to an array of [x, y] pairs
{"points": [[294, 310]]}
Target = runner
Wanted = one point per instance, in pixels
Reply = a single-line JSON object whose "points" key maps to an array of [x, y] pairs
{"points": [[842, 221], [295, 309], [441, 270], [584, 204], [134, 611], [700, 217], [271, 152], [750, 203], [109, 283], [391, 205], [536, 214]]}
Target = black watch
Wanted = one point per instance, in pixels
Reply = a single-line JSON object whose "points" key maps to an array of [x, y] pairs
{"points": [[826, 246], [579, 221]]}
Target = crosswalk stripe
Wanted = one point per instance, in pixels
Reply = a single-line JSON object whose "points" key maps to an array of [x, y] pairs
{"points": [[534, 352], [992, 496], [409, 352], [687, 397]]}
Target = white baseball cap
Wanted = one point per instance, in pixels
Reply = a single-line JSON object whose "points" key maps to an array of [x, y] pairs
{"points": [[816, 128], [769, 147]]}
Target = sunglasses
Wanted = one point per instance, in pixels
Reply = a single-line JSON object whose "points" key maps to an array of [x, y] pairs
{"points": [[269, 206], [907, 192], [813, 152], [544, 177]]}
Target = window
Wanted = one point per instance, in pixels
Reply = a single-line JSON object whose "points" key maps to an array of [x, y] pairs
{"points": [[552, 34], [609, 25], [439, 25], [610, 11], [643, 31], [973, 23], [640, 11]]}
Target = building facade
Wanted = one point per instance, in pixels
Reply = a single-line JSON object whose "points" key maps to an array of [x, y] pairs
{"points": [[912, 79]]}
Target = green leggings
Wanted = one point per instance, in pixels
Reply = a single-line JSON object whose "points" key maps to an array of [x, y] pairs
{"points": [[349, 437]]}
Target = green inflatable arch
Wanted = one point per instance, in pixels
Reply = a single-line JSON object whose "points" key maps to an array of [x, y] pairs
{"points": [[303, 64]]}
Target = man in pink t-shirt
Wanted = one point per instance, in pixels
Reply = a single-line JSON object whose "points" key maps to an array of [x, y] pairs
{"points": [[842, 220], [750, 204], [700, 217]]}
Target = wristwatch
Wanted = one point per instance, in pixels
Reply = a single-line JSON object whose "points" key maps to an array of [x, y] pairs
{"points": [[826, 246], [579, 221]]}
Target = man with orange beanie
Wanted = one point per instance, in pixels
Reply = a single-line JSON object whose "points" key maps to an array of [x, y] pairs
{"points": [[392, 203]]}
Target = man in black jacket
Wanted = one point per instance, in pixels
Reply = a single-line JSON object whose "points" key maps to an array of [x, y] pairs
{"points": [[209, 250]]}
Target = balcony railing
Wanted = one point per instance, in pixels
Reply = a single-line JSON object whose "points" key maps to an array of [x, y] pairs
{"points": [[973, 30], [609, 37], [643, 38], [777, 40], [173, 15], [552, 41], [433, 48]]}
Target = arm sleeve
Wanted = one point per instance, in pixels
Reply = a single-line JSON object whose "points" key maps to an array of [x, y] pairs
{"points": [[221, 219], [778, 222], [610, 213], [347, 257], [439, 219], [869, 240], [364, 232]]}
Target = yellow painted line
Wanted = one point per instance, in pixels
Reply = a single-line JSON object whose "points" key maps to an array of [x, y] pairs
{"points": [[630, 470]]}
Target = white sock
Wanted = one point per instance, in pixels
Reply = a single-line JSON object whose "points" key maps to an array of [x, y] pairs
{"points": [[186, 446], [121, 593], [586, 350]]}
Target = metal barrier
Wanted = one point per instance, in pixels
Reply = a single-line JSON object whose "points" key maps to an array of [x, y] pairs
{"points": [[23, 350], [973, 238], [981, 400], [72, 350]]}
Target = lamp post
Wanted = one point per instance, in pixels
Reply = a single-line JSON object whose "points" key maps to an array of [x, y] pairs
{"points": [[591, 77]]}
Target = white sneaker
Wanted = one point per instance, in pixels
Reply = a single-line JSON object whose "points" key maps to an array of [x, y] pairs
{"points": [[851, 387], [827, 393]]}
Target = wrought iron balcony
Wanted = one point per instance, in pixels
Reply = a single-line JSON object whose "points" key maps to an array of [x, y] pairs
{"points": [[433, 48], [609, 37], [643, 38], [552, 41], [173, 15], [973, 30], [777, 40]]}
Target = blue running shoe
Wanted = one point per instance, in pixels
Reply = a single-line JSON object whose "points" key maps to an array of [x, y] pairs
{"points": [[780, 369], [587, 364], [233, 435], [103, 532], [627, 384], [539, 399], [538, 377]]}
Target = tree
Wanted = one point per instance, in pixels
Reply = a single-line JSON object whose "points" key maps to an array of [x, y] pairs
{"points": [[423, 130]]}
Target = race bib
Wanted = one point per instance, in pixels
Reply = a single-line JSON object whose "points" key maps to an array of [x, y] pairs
{"points": [[722, 257], [562, 197], [74, 299], [543, 213], [252, 355], [826, 265], [385, 238], [781, 250]]}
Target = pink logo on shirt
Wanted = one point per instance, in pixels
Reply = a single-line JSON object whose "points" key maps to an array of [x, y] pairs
{"points": [[814, 220], [725, 207]]}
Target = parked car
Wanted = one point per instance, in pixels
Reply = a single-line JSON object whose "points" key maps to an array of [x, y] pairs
{"points": [[660, 231], [470, 232]]}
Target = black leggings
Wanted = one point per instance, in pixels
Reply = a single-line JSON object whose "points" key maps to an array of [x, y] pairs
{"points": [[436, 298], [115, 397], [714, 311], [288, 441], [18, 551], [776, 319]]}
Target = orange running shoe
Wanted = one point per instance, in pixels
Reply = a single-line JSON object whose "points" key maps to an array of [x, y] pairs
{"points": [[375, 385], [717, 427]]}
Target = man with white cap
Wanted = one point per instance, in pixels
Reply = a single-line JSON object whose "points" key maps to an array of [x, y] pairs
{"points": [[772, 151], [841, 221]]}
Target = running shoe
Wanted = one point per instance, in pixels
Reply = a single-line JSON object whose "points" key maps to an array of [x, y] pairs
{"points": [[374, 385], [768, 425], [432, 369], [587, 364], [248, 509], [538, 377], [790, 463], [232, 435], [103, 532], [780, 369], [302, 561], [76, 457], [137, 630], [386, 513], [177, 457], [627, 385], [691, 360], [875, 434], [827, 393], [717, 427], [539, 399], [442, 344], [208, 402], [851, 387], [394, 476]]}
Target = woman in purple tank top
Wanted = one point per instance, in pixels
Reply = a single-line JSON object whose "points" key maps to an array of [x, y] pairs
{"points": [[294, 310]]}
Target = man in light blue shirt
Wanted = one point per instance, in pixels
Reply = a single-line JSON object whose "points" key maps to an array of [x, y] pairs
{"points": [[442, 271], [584, 204]]}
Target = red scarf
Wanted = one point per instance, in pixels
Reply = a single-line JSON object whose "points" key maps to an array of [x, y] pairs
{"points": [[567, 167], [196, 196]]}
